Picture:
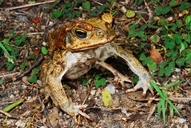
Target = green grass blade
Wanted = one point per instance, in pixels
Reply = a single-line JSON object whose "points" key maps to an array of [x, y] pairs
{"points": [[173, 106], [11, 106], [159, 109], [172, 84], [163, 110], [158, 89], [6, 52], [171, 111]]}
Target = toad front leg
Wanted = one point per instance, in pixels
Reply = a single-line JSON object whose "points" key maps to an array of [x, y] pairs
{"points": [[52, 72], [134, 65]]}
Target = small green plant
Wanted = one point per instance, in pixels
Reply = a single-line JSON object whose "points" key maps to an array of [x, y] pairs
{"points": [[33, 77], [165, 103], [175, 39], [70, 9], [9, 47], [136, 31], [161, 10], [97, 79]]}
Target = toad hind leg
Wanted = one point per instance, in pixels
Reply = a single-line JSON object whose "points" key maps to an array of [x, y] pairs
{"points": [[135, 66], [60, 99]]}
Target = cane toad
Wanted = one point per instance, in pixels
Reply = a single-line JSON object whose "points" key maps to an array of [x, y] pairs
{"points": [[75, 49]]}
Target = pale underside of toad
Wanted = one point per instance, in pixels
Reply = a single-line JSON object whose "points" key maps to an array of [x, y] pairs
{"points": [[75, 49]]}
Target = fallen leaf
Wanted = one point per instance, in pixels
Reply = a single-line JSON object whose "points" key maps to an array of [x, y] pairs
{"points": [[36, 51], [36, 20], [155, 55], [54, 117], [106, 97]]}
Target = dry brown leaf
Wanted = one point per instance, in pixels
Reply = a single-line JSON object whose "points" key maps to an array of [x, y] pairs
{"points": [[36, 20], [155, 55]]}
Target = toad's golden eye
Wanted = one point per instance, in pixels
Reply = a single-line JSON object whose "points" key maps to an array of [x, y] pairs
{"points": [[100, 33], [80, 33]]}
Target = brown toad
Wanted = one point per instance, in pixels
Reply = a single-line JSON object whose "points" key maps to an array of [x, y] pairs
{"points": [[75, 49]]}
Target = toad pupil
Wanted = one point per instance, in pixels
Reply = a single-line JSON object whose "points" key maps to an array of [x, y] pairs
{"points": [[81, 33]]}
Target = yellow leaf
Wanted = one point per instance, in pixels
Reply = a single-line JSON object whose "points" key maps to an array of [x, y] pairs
{"points": [[106, 97]]}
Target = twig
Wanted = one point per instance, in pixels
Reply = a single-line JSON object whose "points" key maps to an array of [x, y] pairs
{"points": [[7, 114], [149, 10], [29, 5], [97, 2], [35, 33]]}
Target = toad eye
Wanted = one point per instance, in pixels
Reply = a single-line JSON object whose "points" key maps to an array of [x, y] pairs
{"points": [[80, 33]]}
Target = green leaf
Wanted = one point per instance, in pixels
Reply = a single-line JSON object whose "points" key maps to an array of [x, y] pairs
{"points": [[152, 66], [169, 45], [138, 2], [23, 66], [20, 39], [180, 62], [173, 3], [10, 66], [11, 106], [32, 78], [163, 64], [56, 14], [184, 5], [161, 72], [135, 79], [154, 1], [101, 82], [169, 69], [85, 82], [155, 38], [160, 10], [97, 76], [1, 81], [130, 13], [182, 46], [44, 50], [68, 5], [141, 34], [188, 58], [179, 23], [188, 21], [174, 55], [86, 5]]}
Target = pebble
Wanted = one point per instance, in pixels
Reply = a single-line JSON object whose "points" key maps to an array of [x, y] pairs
{"points": [[22, 18], [110, 88]]}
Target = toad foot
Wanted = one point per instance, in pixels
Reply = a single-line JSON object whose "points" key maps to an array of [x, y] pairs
{"points": [[144, 84]]}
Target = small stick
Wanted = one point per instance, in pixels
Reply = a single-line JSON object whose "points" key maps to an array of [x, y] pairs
{"points": [[29, 5]]}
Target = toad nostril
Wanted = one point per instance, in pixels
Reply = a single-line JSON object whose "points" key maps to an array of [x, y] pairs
{"points": [[100, 33]]}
